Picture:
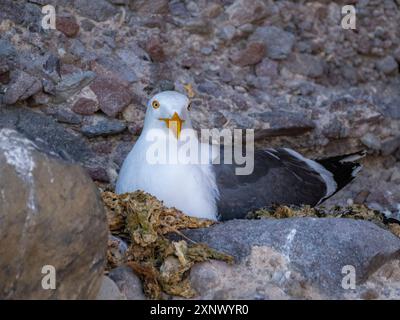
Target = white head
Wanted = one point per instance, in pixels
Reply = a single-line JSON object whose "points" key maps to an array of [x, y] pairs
{"points": [[168, 110]]}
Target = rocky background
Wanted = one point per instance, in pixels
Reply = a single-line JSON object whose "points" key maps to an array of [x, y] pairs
{"points": [[285, 68]]}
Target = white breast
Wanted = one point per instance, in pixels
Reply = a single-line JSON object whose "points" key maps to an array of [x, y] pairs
{"points": [[190, 188]]}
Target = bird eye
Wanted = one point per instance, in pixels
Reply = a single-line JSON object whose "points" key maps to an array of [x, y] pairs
{"points": [[189, 106], [155, 104]]}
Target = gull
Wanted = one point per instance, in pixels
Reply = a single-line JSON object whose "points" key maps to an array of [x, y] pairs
{"points": [[210, 190]]}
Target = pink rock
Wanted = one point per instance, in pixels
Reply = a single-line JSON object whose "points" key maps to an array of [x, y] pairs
{"points": [[85, 106], [155, 50], [67, 25], [253, 54], [113, 95]]}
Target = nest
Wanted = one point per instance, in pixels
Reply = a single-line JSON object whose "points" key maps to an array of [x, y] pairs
{"points": [[357, 211], [162, 264]]}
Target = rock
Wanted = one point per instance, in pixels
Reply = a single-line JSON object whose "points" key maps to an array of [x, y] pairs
{"points": [[281, 123], [116, 68], [7, 51], [278, 43], [178, 9], [85, 106], [396, 54], [4, 73], [153, 7], [335, 129], [119, 2], [113, 95], [390, 145], [306, 64], [52, 66], [371, 141], [21, 87], [209, 87], [109, 290], [67, 25], [155, 49], [45, 222], [213, 10], [128, 283], [387, 65], [121, 151], [198, 26], [116, 252], [64, 115], [267, 68], [300, 258], [100, 10], [87, 25], [98, 173], [46, 134], [71, 84], [253, 54], [165, 85], [226, 32], [247, 11], [102, 126]]}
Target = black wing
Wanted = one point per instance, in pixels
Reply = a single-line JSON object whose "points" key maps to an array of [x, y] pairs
{"points": [[279, 177]]}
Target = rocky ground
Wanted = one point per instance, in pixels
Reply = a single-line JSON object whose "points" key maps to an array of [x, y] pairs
{"points": [[285, 68]]}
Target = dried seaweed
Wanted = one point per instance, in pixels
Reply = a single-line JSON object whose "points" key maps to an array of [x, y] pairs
{"points": [[162, 264], [357, 211]]}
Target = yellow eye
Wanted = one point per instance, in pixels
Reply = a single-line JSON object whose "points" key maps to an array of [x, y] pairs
{"points": [[155, 104], [189, 106]]}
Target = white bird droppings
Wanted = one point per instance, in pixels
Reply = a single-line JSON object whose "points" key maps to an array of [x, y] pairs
{"points": [[17, 151]]}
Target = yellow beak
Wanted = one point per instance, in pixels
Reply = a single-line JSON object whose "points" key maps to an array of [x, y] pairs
{"points": [[174, 124]]}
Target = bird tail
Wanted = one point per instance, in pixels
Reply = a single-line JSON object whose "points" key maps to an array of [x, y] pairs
{"points": [[344, 168]]}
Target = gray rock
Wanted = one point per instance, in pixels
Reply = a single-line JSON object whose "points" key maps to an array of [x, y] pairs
{"points": [[248, 11], [153, 7], [121, 151], [21, 87], [371, 141], [128, 283], [109, 290], [47, 134], [64, 116], [387, 65], [278, 43], [390, 145], [21, 13], [291, 258], [336, 129], [226, 32], [102, 126], [55, 140], [267, 68], [118, 67], [282, 123], [119, 2], [71, 84], [45, 222], [392, 110], [100, 10], [7, 50], [210, 88], [306, 64]]}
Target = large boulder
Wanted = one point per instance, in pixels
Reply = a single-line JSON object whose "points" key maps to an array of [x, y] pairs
{"points": [[51, 215], [54, 139], [300, 258]]}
